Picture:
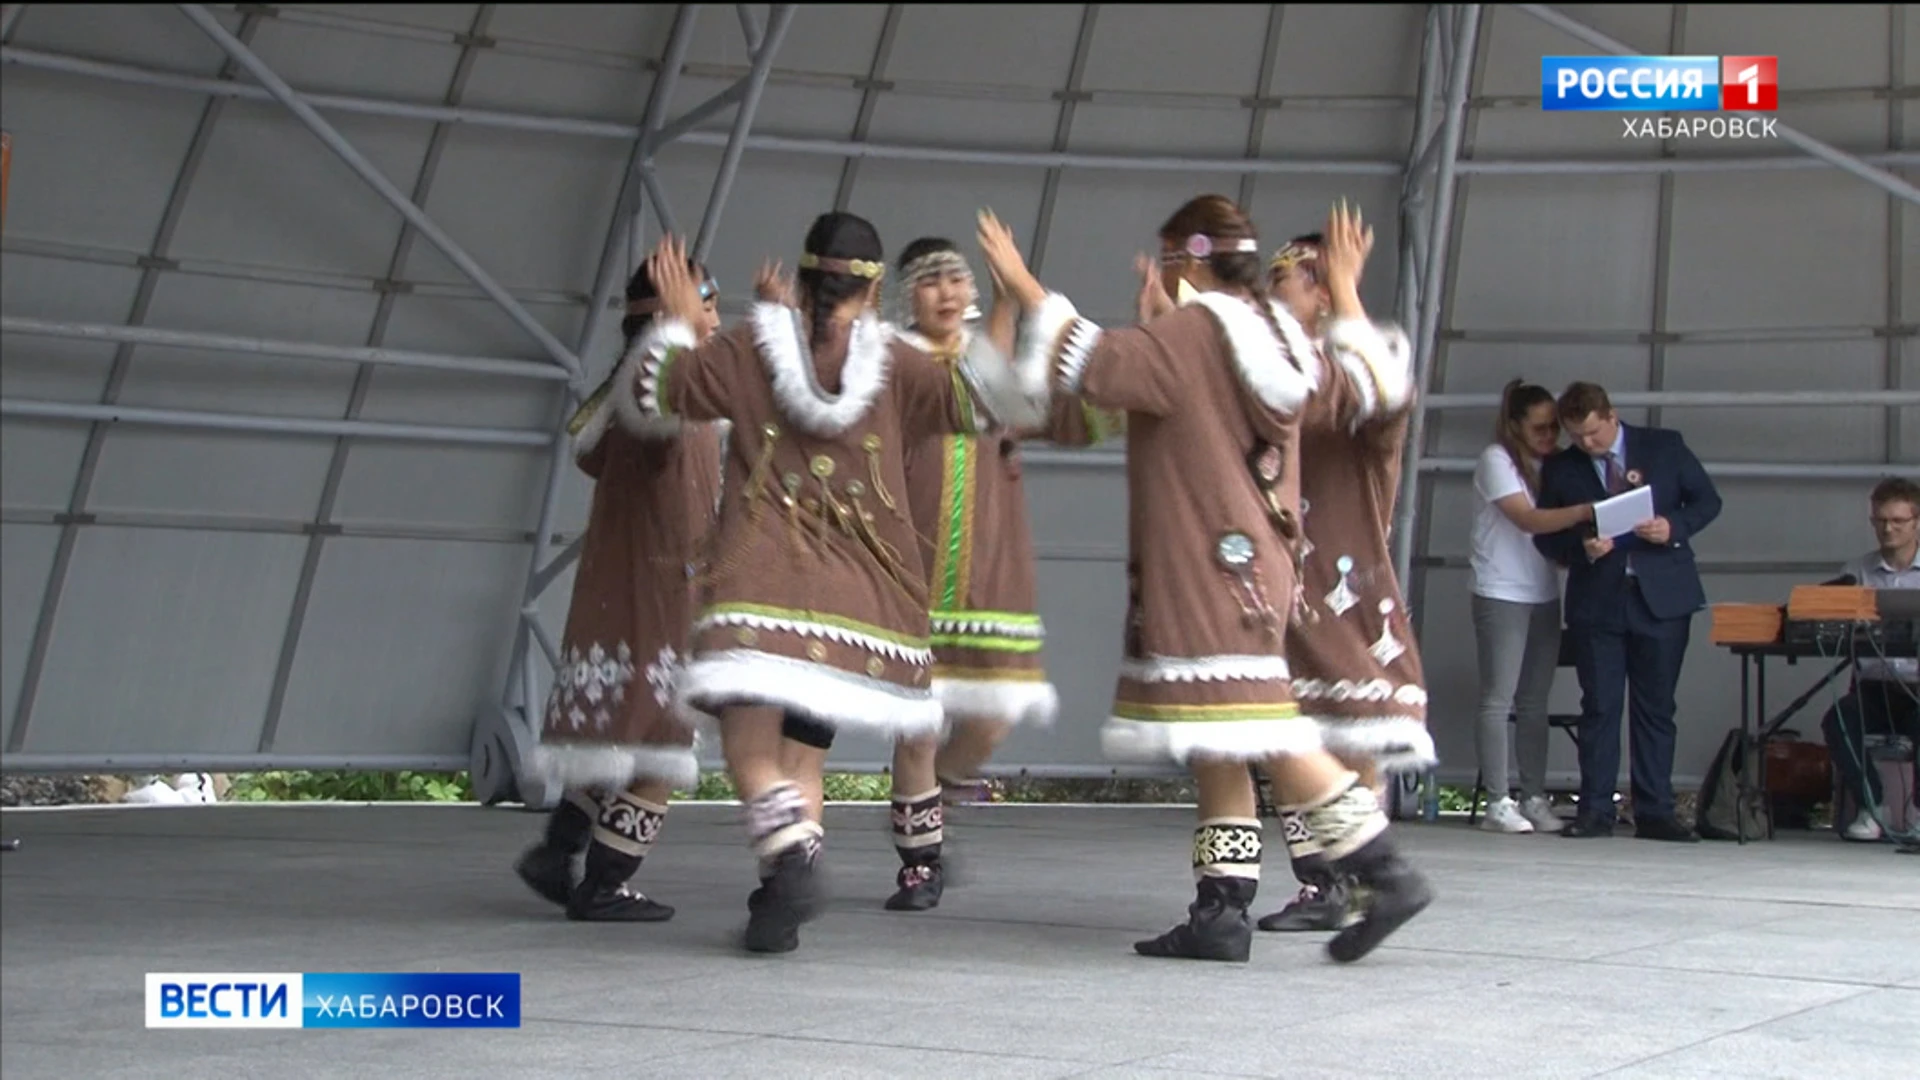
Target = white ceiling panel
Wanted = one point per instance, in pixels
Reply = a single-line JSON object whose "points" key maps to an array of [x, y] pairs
{"points": [[1820, 46], [635, 31], [1308, 64], [1732, 242], [1142, 130], [1515, 41], [988, 45], [1177, 48], [149, 35], [335, 60], [968, 124], [269, 193], [93, 162], [1338, 134], [1559, 253], [451, 18]]}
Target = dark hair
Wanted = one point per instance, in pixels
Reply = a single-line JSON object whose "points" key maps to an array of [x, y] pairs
{"points": [[1315, 273], [1584, 399], [1896, 489], [1517, 399], [926, 245], [640, 287], [835, 235], [1220, 218]]}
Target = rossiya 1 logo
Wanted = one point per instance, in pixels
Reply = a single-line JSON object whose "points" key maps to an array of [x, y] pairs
{"points": [[1732, 88]]}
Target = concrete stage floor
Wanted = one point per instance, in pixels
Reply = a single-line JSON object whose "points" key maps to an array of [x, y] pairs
{"points": [[1542, 958]]}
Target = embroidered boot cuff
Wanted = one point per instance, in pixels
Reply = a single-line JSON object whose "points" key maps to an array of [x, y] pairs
{"points": [[918, 821], [628, 824], [1348, 823], [1227, 847]]}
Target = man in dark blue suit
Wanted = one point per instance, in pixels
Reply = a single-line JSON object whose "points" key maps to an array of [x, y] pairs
{"points": [[1630, 602]]}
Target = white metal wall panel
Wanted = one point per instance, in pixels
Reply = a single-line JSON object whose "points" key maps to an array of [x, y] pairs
{"points": [[165, 642], [26, 557]]}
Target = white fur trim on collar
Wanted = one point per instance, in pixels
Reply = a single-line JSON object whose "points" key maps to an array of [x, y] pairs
{"points": [[623, 400], [1379, 360], [777, 333], [919, 341], [1260, 356]]}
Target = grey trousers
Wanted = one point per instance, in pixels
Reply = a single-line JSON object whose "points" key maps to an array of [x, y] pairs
{"points": [[1519, 647]]}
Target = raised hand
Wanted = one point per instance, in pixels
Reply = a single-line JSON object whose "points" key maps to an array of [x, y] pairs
{"points": [[667, 269], [772, 285], [1349, 242], [1152, 300], [1005, 262]]}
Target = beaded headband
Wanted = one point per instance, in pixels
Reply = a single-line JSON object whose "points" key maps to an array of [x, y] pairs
{"points": [[936, 264], [651, 305], [856, 267], [1202, 246], [1293, 254]]}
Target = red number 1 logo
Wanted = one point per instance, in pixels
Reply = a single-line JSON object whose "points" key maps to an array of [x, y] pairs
{"points": [[1749, 84]]}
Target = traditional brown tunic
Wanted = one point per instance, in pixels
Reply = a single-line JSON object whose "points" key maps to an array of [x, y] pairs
{"points": [[815, 600], [1356, 664], [1213, 399], [970, 509], [610, 716]]}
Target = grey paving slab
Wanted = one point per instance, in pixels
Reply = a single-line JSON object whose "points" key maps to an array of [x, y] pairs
{"points": [[1542, 957], [1872, 1033]]}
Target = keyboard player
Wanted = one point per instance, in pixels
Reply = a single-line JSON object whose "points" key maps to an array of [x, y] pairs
{"points": [[1883, 700]]}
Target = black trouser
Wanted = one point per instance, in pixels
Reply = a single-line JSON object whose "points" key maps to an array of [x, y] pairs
{"points": [[807, 731], [1875, 707]]}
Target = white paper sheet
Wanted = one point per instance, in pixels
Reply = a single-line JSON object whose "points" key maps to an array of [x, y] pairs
{"points": [[1616, 517]]}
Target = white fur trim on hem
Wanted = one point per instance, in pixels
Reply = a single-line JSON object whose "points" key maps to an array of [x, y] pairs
{"points": [[846, 701], [783, 348], [1009, 701], [1379, 360], [1157, 669], [1242, 740], [574, 766], [1395, 743], [1261, 357]]}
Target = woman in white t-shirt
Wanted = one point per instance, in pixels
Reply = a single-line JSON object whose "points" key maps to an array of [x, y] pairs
{"points": [[1516, 607]]}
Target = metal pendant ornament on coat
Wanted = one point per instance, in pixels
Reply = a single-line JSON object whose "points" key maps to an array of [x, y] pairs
{"points": [[1388, 648], [1342, 599], [1235, 554]]}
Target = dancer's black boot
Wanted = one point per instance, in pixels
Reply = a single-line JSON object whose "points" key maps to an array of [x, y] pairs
{"points": [[1325, 902], [1226, 864], [789, 849], [1353, 830], [919, 829], [547, 867], [624, 834]]}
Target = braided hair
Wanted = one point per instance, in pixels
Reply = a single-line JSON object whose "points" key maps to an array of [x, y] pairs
{"points": [[840, 236]]}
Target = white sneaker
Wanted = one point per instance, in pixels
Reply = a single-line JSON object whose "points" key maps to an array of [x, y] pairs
{"points": [[1864, 827], [1538, 809], [1503, 815]]}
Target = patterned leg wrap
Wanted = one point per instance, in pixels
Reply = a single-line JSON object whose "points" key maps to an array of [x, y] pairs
{"points": [[1227, 848], [1324, 900], [623, 834], [1226, 871], [1346, 819], [788, 846], [1352, 830], [919, 829]]}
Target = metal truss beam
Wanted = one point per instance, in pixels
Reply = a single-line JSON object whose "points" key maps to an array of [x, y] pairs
{"points": [[742, 124], [367, 106], [1412, 196], [496, 765], [210, 113], [268, 425], [263, 347], [1262, 91], [1062, 132], [366, 170], [363, 386], [1440, 217], [1834, 156], [869, 101]]}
